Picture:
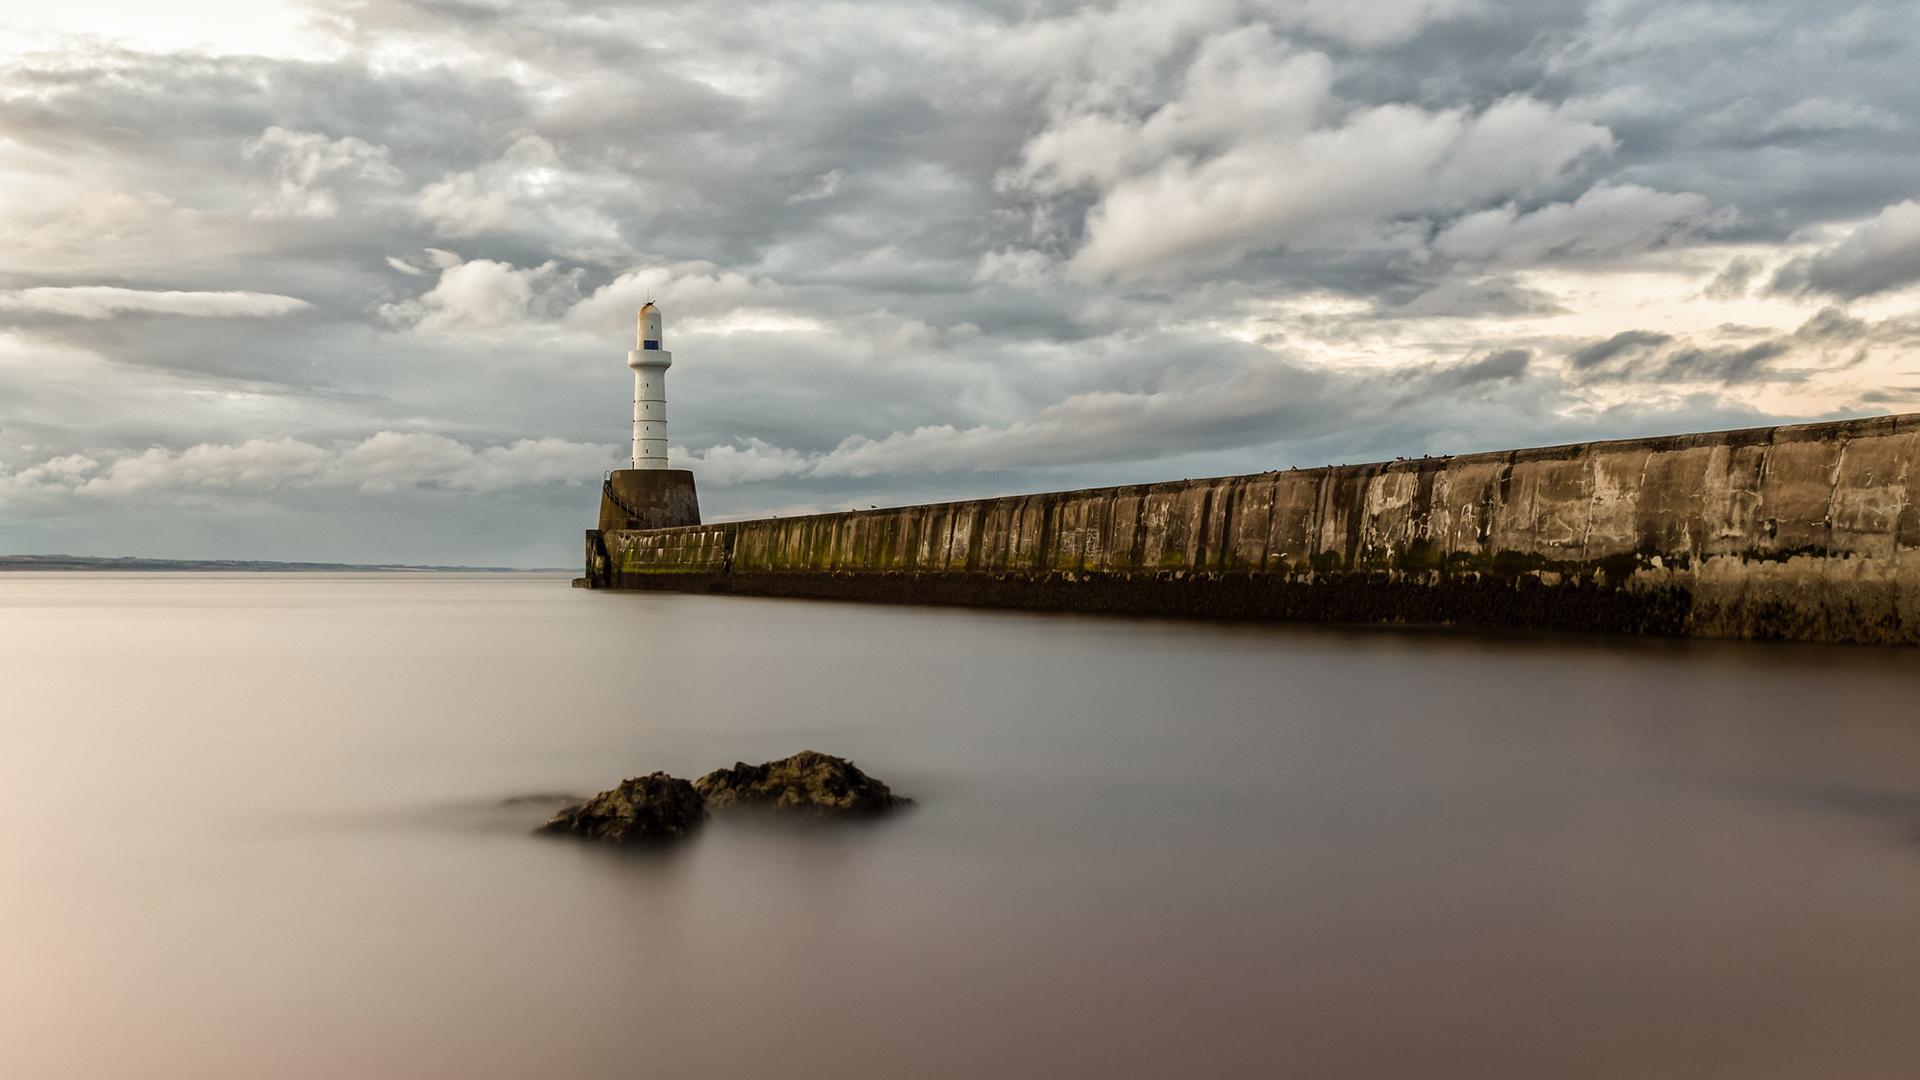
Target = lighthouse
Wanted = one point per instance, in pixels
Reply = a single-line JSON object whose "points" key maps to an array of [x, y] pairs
{"points": [[649, 363], [648, 495]]}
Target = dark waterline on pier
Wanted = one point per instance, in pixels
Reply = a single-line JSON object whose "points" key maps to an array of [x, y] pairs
{"points": [[259, 826]]}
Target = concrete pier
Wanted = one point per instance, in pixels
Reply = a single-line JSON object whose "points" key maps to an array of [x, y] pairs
{"points": [[1806, 532], [638, 499]]}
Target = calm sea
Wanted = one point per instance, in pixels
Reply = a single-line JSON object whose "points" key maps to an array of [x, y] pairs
{"points": [[278, 826]]}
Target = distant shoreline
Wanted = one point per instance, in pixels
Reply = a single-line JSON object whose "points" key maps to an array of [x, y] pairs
{"points": [[90, 562]]}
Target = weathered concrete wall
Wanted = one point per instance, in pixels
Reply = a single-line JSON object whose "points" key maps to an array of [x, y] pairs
{"points": [[639, 499], [648, 499], [1806, 532]]}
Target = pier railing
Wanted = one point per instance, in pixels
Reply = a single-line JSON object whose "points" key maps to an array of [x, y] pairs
{"points": [[612, 496]]}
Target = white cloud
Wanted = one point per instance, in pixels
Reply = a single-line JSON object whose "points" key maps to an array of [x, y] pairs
{"points": [[484, 294], [230, 26], [461, 205], [489, 295], [390, 460], [1382, 163], [1254, 152], [385, 462], [528, 186], [51, 225], [683, 287], [749, 461], [306, 166], [255, 465], [59, 473], [105, 301], [1016, 234], [1242, 84]]}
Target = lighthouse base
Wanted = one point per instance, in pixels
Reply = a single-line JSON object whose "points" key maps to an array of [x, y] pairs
{"points": [[648, 499]]}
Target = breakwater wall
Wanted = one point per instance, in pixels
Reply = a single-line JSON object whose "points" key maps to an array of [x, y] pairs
{"points": [[1805, 532]]}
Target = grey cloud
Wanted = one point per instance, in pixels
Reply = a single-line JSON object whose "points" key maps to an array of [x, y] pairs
{"points": [[1650, 357], [1903, 396], [1460, 297], [1880, 255], [1832, 326], [1606, 220], [1822, 113], [1640, 356], [1495, 367], [1381, 165], [1624, 343], [911, 250], [1734, 278], [1723, 364]]}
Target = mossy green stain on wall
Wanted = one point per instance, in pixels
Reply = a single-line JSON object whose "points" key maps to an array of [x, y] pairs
{"points": [[1826, 506]]}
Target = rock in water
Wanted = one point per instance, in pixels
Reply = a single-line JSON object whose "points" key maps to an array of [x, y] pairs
{"points": [[645, 809], [808, 784]]}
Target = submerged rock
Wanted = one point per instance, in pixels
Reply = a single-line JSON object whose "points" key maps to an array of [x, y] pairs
{"points": [[808, 784], [645, 809]]}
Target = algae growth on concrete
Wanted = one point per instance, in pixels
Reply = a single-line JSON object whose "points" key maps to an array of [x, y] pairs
{"points": [[1806, 532]]}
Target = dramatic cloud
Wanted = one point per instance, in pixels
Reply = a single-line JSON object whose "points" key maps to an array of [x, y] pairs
{"points": [[1507, 364], [1880, 255], [356, 278], [1253, 152], [1624, 343], [1382, 164], [1829, 338], [1605, 220]]}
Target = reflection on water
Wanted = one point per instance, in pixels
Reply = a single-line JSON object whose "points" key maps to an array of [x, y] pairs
{"points": [[266, 826]]}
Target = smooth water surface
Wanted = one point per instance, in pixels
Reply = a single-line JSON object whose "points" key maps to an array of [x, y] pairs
{"points": [[259, 826]]}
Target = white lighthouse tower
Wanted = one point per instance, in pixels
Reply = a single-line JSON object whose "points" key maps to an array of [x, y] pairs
{"points": [[649, 495], [649, 363]]}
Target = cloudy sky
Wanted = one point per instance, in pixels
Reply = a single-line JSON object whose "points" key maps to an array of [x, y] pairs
{"points": [[353, 279]]}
